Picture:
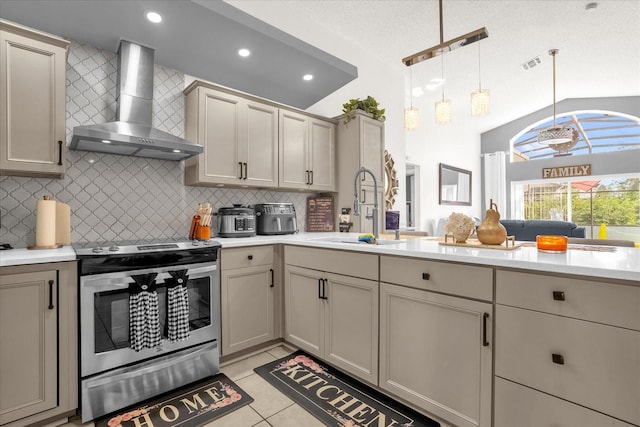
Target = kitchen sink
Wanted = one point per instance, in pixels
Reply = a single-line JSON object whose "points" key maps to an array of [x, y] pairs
{"points": [[355, 241]]}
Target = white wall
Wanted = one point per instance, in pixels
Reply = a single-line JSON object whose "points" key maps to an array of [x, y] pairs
{"points": [[383, 81]]}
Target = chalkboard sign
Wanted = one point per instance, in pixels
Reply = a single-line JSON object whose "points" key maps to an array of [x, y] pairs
{"points": [[320, 215]]}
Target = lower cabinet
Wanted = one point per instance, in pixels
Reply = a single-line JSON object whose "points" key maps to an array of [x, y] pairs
{"points": [[333, 316], [39, 368], [248, 287], [435, 352]]}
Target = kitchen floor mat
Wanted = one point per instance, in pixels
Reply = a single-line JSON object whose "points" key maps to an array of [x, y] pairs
{"points": [[190, 406], [334, 398]]}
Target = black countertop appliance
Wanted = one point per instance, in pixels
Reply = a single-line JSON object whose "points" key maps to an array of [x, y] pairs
{"points": [[276, 218]]}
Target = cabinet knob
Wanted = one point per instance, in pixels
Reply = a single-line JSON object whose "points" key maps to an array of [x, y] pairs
{"points": [[426, 276], [558, 295], [557, 359], [250, 257]]}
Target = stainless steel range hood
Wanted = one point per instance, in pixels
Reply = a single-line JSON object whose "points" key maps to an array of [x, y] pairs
{"points": [[132, 134]]}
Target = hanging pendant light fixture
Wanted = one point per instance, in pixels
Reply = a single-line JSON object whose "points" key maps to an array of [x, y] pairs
{"points": [[445, 46], [480, 97], [411, 115], [557, 137], [443, 107]]}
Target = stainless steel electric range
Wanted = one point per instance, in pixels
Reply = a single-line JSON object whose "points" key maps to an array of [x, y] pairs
{"points": [[149, 320]]}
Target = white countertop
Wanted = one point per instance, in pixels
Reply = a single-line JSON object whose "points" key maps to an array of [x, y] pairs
{"points": [[36, 256], [623, 264]]}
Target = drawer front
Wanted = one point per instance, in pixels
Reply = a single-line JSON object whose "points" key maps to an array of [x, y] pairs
{"points": [[246, 257], [456, 279], [608, 303], [340, 262], [600, 366], [516, 405]]}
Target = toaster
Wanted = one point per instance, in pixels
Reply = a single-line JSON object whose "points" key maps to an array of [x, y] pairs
{"points": [[275, 218]]}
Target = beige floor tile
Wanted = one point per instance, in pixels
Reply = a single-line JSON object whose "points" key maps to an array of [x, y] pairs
{"points": [[262, 424], [267, 400], [294, 416], [244, 367], [243, 417], [280, 352], [77, 422]]}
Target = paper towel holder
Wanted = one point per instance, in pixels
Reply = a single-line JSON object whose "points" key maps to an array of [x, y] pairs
{"points": [[55, 246]]}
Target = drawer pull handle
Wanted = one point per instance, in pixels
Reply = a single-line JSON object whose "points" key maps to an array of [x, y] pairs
{"points": [[426, 276], [250, 257], [557, 359], [485, 342], [59, 153], [558, 295], [272, 281], [50, 294]]}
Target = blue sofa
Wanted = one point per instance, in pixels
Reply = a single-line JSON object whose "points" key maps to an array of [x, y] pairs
{"points": [[527, 230]]}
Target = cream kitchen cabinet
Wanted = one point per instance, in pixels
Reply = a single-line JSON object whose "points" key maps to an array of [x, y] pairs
{"points": [[436, 349], [248, 291], [361, 144], [239, 135], [573, 344], [32, 102], [38, 357], [307, 152], [329, 312]]}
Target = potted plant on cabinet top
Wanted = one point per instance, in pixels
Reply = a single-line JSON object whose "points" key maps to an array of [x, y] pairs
{"points": [[369, 105]]}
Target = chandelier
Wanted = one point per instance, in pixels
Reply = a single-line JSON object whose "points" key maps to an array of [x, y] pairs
{"points": [[557, 137]]}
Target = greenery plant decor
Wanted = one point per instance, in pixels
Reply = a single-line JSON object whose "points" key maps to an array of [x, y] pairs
{"points": [[369, 105]]}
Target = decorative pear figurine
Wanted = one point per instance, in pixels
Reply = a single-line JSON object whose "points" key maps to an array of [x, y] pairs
{"points": [[491, 232]]}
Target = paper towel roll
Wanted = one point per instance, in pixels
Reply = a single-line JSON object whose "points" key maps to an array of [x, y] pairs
{"points": [[63, 223], [45, 222]]}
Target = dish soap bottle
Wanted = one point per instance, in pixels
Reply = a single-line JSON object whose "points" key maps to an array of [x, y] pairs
{"points": [[490, 231]]}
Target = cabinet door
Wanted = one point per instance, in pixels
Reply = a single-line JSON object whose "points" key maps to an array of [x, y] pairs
{"points": [[32, 106], [261, 145], [321, 155], [28, 355], [294, 134], [432, 353], [352, 325], [219, 129], [247, 307], [304, 309], [371, 149]]}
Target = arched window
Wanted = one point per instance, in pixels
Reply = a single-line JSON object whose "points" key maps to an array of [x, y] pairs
{"points": [[597, 132]]}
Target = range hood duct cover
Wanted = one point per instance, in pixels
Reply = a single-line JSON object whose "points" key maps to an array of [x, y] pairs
{"points": [[132, 134]]}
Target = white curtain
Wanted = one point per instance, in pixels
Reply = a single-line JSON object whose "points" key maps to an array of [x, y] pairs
{"points": [[495, 180]]}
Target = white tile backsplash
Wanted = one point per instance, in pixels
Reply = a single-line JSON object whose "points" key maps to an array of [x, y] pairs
{"points": [[116, 197]]}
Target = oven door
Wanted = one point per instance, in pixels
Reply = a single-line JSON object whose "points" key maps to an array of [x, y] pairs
{"points": [[104, 314]]}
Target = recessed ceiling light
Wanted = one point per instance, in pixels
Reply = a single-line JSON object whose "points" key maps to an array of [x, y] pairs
{"points": [[244, 52], [106, 141], [177, 151], [307, 77], [154, 17]]}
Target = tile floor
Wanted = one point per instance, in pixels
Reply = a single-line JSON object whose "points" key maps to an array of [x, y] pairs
{"points": [[269, 408]]}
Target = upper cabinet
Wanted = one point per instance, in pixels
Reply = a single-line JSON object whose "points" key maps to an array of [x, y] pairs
{"points": [[240, 139], [307, 152], [32, 102], [361, 145], [251, 142]]}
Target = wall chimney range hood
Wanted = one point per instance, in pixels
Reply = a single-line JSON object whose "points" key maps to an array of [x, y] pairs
{"points": [[132, 134]]}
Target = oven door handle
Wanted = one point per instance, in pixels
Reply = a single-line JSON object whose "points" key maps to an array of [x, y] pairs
{"points": [[114, 281]]}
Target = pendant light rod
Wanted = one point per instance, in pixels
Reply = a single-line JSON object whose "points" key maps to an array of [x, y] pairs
{"points": [[445, 46], [553, 53]]}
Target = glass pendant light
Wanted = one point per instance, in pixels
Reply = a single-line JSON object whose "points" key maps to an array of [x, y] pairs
{"points": [[443, 107], [480, 97], [411, 115]]}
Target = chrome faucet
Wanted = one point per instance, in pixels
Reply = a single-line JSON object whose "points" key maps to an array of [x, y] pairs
{"points": [[356, 202]]}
